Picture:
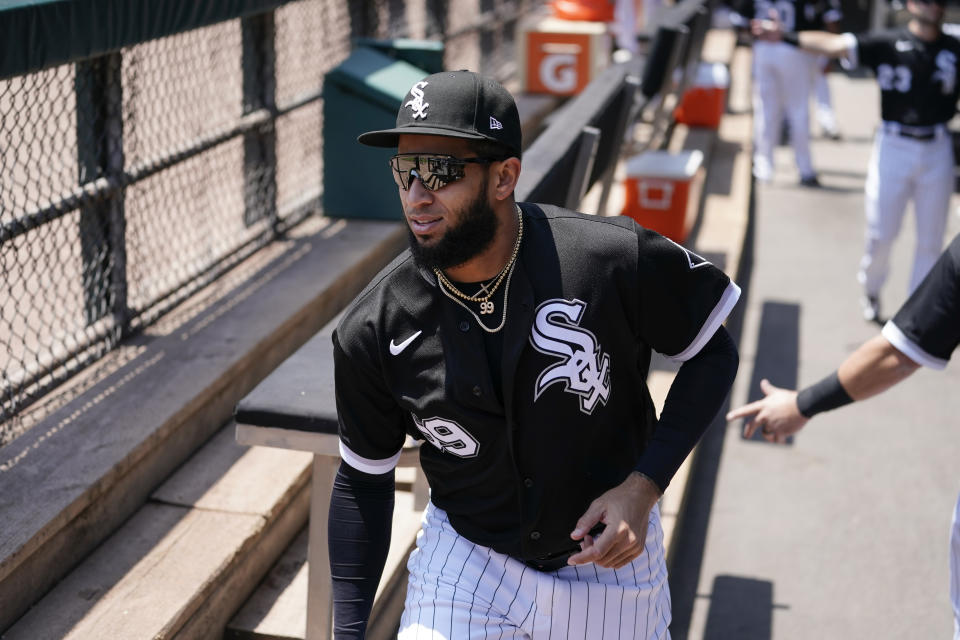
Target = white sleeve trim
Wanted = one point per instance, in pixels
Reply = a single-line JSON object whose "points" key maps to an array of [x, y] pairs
{"points": [[366, 464], [909, 348], [852, 58], [716, 318]]}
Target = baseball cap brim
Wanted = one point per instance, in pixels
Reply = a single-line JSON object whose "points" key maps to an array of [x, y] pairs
{"points": [[391, 137]]}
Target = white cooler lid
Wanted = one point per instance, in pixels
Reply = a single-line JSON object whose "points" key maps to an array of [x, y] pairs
{"points": [[713, 75], [680, 165], [550, 24]]}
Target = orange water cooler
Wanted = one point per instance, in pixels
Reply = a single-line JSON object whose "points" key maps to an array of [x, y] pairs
{"points": [[561, 57], [704, 102], [657, 190], [595, 10]]}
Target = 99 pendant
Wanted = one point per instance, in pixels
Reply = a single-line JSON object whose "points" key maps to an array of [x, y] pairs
{"points": [[486, 308]]}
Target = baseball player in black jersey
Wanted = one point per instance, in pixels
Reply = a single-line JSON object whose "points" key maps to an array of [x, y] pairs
{"points": [[916, 68], [514, 340], [924, 332]]}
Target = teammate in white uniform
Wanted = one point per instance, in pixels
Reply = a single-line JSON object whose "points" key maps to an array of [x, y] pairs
{"points": [[781, 86], [514, 339], [924, 332], [916, 68]]}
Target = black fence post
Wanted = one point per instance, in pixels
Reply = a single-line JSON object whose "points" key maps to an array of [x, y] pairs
{"points": [[260, 145], [99, 95]]}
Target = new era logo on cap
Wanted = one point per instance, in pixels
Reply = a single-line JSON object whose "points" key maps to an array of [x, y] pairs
{"points": [[495, 124]]}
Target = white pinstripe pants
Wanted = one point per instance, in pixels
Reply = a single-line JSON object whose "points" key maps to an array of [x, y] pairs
{"points": [[459, 590]]}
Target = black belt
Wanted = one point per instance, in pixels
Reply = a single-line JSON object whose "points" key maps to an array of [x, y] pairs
{"points": [[552, 561], [923, 137], [558, 559], [923, 134]]}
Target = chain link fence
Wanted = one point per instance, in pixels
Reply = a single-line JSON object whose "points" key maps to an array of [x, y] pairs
{"points": [[134, 178]]}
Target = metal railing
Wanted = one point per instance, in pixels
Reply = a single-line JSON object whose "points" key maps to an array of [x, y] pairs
{"points": [[137, 167]]}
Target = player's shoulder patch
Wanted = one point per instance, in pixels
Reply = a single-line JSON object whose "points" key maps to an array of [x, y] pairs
{"points": [[694, 260]]}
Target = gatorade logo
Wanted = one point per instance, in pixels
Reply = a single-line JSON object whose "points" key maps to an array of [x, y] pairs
{"points": [[558, 72], [559, 63]]}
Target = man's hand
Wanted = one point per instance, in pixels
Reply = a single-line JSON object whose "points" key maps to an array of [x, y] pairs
{"points": [[625, 510], [776, 415], [768, 30]]}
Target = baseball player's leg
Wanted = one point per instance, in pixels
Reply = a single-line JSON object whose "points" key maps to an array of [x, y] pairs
{"points": [[458, 589], [767, 109], [955, 569], [826, 118], [795, 83], [931, 206], [887, 190]]}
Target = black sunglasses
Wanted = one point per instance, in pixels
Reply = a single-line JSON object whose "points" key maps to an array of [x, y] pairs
{"points": [[433, 170]]}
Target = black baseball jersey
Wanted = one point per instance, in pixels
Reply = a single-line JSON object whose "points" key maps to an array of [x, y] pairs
{"points": [[918, 79], [927, 326], [794, 15], [588, 300]]}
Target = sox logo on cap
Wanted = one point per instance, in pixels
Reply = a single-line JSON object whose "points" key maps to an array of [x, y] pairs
{"points": [[417, 104]]}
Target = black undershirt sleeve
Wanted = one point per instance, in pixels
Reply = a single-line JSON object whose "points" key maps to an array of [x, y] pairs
{"points": [[358, 535], [695, 397]]}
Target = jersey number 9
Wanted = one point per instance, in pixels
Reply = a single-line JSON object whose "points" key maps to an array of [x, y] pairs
{"points": [[448, 436]]}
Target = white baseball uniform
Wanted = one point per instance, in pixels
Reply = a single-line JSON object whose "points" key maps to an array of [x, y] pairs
{"points": [[912, 154], [781, 87]]}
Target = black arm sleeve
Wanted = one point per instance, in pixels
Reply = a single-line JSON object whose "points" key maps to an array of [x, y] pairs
{"points": [[358, 535], [695, 397]]}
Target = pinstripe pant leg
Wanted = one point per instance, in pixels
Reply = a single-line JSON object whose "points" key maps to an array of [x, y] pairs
{"points": [[587, 601], [460, 590]]}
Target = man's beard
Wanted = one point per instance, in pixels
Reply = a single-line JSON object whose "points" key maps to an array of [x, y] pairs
{"points": [[473, 234]]}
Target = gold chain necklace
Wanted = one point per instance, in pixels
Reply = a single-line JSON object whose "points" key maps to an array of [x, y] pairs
{"points": [[486, 305], [503, 316]]}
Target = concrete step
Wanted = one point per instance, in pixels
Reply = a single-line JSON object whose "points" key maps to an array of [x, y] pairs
{"points": [[71, 482], [277, 609], [187, 559]]}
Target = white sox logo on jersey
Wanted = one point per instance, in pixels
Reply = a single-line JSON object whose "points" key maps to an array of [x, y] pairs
{"points": [[946, 72], [448, 436], [582, 369], [417, 104]]}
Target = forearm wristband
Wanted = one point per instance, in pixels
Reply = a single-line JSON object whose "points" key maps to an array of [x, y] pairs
{"points": [[791, 38], [823, 396]]}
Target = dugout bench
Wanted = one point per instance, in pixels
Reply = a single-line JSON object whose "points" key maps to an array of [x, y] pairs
{"points": [[294, 408]]}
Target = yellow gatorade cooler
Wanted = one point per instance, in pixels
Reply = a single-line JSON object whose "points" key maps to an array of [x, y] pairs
{"points": [[561, 57], [657, 190], [703, 103]]}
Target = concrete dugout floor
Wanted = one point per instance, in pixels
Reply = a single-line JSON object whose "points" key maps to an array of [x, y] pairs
{"points": [[843, 533]]}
